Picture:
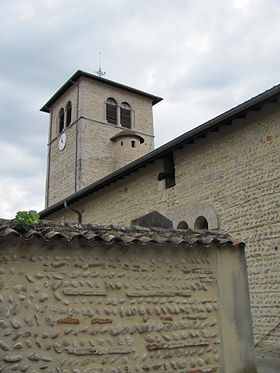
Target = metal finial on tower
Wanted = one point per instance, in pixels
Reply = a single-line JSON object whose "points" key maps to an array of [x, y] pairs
{"points": [[99, 72]]}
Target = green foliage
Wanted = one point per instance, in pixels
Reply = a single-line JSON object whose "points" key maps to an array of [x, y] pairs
{"points": [[25, 220], [63, 230], [115, 233]]}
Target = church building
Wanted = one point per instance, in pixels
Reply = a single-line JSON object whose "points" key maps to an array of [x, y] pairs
{"points": [[224, 174], [96, 127]]}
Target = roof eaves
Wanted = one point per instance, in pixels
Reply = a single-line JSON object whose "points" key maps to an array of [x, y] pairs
{"points": [[164, 149], [78, 74], [50, 231]]}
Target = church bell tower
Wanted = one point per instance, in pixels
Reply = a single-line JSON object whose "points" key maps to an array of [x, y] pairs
{"points": [[96, 126]]}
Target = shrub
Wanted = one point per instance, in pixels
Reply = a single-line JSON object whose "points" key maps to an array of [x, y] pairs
{"points": [[25, 220]]}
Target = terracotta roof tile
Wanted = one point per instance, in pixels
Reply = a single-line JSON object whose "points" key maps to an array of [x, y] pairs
{"points": [[49, 231]]}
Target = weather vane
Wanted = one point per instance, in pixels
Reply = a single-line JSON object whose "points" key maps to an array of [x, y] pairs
{"points": [[99, 72]]}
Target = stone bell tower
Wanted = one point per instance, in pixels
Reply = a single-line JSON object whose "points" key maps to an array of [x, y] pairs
{"points": [[96, 126]]}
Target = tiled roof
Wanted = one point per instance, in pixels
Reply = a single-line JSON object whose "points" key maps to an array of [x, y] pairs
{"points": [[79, 74], [211, 126], [48, 230]]}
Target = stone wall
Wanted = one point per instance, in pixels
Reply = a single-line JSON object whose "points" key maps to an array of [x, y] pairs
{"points": [[61, 168], [231, 178], [93, 96], [126, 148], [95, 152], [90, 307], [70, 95]]}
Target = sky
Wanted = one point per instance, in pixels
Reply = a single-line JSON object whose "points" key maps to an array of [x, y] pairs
{"points": [[203, 57]]}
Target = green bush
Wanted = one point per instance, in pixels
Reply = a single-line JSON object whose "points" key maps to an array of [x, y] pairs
{"points": [[25, 220]]}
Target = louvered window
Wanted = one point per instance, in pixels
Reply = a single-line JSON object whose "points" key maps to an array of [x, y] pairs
{"points": [[125, 115], [61, 119], [68, 113], [111, 111]]}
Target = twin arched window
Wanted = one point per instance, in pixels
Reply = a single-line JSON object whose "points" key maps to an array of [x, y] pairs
{"points": [[112, 113], [61, 116]]}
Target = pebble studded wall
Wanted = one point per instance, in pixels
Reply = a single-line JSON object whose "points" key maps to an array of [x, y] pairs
{"points": [[235, 171], [78, 308]]}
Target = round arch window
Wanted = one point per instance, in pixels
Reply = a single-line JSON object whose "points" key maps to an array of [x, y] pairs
{"points": [[68, 113], [61, 120], [125, 115], [111, 111]]}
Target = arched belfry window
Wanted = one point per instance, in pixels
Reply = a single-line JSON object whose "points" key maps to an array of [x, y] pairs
{"points": [[111, 111], [61, 119], [68, 113], [125, 115], [201, 223]]}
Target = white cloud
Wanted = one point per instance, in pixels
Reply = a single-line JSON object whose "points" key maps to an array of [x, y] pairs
{"points": [[242, 4], [22, 180], [202, 57], [21, 194]]}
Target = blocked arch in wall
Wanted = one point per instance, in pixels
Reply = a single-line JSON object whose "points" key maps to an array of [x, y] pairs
{"points": [[182, 225], [201, 223], [193, 217]]}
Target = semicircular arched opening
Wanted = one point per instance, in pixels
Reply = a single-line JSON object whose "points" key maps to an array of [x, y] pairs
{"points": [[201, 223], [68, 111], [125, 115], [111, 111], [61, 120], [182, 225]]}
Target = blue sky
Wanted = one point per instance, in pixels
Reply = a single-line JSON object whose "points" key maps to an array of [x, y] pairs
{"points": [[202, 57]]}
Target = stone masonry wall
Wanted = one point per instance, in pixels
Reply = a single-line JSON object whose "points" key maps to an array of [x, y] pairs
{"points": [[98, 308], [234, 174], [95, 149], [61, 168], [70, 95], [123, 149], [62, 172], [94, 95]]}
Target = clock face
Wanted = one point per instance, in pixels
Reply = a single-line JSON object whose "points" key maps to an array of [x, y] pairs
{"points": [[62, 142]]}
